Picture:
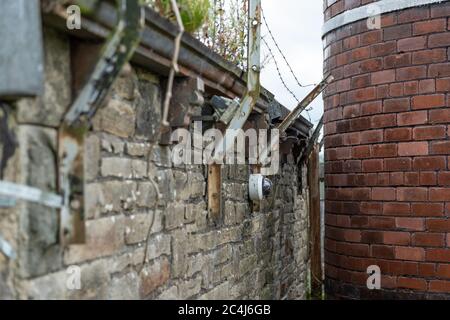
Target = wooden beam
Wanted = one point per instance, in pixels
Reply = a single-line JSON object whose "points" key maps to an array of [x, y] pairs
{"points": [[214, 191], [315, 224]]}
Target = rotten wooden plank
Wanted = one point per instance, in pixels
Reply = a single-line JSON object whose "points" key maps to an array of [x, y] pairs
{"points": [[315, 224], [215, 191]]}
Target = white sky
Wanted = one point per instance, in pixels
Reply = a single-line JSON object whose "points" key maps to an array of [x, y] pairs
{"points": [[296, 25]]}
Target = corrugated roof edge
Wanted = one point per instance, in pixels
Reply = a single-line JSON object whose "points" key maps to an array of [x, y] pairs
{"points": [[155, 53]]}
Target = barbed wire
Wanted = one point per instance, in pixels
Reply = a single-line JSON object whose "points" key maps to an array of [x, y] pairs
{"points": [[278, 70], [281, 77], [282, 54], [307, 110]]}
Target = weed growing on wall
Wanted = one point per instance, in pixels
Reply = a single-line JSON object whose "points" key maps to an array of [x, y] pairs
{"points": [[220, 24]]}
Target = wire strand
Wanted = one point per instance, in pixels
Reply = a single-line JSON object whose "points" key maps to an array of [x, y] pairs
{"points": [[307, 110], [278, 70], [282, 54]]}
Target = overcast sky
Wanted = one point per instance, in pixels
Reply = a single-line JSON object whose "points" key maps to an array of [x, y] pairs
{"points": [[296, 25]]}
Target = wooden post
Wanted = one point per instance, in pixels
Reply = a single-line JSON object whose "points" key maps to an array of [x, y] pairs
{"points": [[214, 191], [315, 224]]}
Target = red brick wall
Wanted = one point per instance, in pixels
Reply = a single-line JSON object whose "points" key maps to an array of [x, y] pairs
{"points": [[387, 151]]}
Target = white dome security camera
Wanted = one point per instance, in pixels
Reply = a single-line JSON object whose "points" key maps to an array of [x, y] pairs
{"points": [[259, 187]]}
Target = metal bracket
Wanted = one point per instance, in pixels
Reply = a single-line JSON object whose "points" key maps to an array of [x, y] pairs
{"points": [[248, 102], [12, 191], [241, 113], [314, 138], [224, 109], [293, 115], [116, 52], [7, 249]]}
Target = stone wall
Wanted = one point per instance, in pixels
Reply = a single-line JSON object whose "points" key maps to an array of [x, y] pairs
{"points": [[149, 235]]}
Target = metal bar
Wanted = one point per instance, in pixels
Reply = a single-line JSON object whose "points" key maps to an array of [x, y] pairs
{"points": [[22, 50], [292, 117], [321, 143], [118, 50], [252, 94], [115, 54], [7, 249], [17, 191], [156, 48], [314, 138], [367, 11]]}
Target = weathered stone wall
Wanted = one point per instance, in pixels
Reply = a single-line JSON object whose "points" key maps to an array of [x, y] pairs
{"points": [[149, 235]]}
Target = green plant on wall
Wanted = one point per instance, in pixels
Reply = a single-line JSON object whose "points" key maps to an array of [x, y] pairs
{"points": [[220, 24], [194, 13], [226, 31]]}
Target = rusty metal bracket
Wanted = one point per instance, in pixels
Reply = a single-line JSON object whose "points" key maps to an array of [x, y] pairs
{"points": [[294, 115], [224, 108], [12, 191], [115, 54], [314, 138], [291, 117], [248, 102]]}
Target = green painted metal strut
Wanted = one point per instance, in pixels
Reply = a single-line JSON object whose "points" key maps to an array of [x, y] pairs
{"points": [[252, 94], [115, 54]]}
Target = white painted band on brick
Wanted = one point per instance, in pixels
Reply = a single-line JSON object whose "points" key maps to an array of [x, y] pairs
{"points": [[364, 12]]}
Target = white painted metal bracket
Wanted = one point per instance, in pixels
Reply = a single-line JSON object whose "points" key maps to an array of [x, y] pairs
{"points": [[367, 11], [114, 55], [7, 249], [16, 191], [248, 102]]}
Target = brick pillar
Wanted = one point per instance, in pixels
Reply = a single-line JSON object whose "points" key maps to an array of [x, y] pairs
{"points": [[387, 153]]}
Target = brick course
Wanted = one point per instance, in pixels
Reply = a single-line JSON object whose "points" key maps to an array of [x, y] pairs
{"points": [[397, 108]]}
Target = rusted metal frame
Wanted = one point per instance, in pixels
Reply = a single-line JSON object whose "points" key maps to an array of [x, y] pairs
{"points": [[246, 106], [252, 94], [156, 48], [321, 143], [314, 138], [116, 52], [292, 117], [22, 192], [315, 224]]}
